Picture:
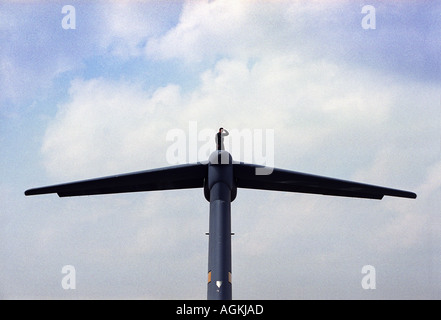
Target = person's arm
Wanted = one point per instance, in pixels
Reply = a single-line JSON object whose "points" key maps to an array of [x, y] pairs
{"points": [[225, 132]]}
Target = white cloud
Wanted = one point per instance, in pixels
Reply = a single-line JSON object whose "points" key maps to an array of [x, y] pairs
{"points": [[245, 29], [208, 29], [36, 49], [126, 25], [107, 126], [202, 27], [403, 42]]}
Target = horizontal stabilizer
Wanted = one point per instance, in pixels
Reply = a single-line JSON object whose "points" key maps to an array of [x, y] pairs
{"points": [[175, 177], [291, 181]]}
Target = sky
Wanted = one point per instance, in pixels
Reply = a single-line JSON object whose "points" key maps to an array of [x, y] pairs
{"points": [[106, 87]]}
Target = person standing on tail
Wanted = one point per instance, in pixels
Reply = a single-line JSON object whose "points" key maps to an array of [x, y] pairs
{"points": [[220, 138]]}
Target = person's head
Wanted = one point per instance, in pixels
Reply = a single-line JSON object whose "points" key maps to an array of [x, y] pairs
{"points": [[221, 129]]}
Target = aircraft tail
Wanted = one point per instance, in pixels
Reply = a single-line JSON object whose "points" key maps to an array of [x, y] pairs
{"points": [[175, 177], [291, 181]]}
